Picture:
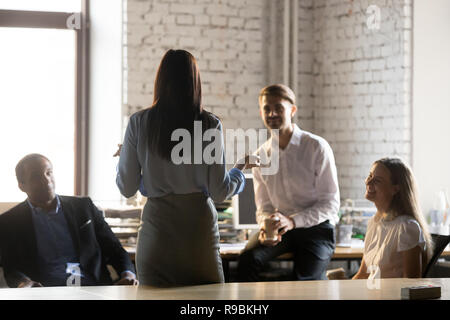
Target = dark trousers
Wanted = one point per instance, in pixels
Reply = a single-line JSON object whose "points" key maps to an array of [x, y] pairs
{"points": [[312, 249]]}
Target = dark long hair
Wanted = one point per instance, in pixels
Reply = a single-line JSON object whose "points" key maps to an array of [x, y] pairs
{"points": [[406, 201], [177, 101]]}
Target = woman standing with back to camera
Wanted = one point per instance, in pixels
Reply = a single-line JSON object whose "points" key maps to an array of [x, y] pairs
{"points": [[178, 240]]}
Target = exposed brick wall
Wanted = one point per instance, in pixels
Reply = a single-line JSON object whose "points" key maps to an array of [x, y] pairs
{"points": [[353, 83], [362, 85], [224, 36], [305, 84], [305, 56]]}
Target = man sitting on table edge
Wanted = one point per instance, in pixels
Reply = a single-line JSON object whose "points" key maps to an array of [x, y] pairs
{"points": [[303, 196], [49, 240]]}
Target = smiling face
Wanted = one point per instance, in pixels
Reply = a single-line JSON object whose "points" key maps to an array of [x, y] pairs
{"points": [[379, 187], [276, 112], [38, 181]]}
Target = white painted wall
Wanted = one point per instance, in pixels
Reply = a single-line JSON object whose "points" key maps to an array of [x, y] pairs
{"points": [[105, 98], [431, 98]]}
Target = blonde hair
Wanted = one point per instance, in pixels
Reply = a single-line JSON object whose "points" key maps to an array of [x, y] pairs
{"points": [[405, 201]]}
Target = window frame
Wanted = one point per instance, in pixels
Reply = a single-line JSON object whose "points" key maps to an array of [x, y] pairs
{"points": [[58, 20]]}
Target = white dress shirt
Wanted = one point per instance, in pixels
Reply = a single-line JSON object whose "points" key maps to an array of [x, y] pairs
{"points": [[305, 186]]}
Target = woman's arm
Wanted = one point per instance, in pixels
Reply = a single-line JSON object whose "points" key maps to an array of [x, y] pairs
{"points": [[412, 263], [362, 272], [128, 177]]}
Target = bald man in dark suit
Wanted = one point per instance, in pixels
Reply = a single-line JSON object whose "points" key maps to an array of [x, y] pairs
{"points": [[52, 240]]}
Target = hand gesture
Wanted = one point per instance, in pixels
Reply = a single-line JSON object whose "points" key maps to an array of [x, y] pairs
{"points": [[117, 154], [250, 161]]}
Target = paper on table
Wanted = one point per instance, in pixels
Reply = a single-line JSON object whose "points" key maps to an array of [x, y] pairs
{"points": [[233, 246], [356, 243]]}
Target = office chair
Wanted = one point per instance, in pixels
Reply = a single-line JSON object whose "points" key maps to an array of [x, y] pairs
{"points": [[440, 242]]}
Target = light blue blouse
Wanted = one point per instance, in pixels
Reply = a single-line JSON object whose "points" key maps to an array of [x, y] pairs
{"points": [[161, 177]]}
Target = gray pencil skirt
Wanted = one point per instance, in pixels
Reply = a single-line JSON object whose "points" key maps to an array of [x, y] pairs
{"points": [[178, 242]]}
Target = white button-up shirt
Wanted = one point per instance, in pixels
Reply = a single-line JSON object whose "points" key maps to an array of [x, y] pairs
{"points": [[305, 186], [386, 239]]}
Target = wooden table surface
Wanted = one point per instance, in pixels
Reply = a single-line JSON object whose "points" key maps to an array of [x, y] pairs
{"points": [[339, 253], [233, 254], [287, 290]]}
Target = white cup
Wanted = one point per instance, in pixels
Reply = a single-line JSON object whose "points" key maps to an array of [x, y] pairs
{"points": [[345, 233], [271, 232]]}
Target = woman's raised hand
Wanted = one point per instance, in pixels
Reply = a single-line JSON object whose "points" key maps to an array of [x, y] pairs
{"points": [[250, 161]]}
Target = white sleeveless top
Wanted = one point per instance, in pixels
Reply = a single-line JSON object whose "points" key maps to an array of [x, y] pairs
{"points": [[384, 242]]}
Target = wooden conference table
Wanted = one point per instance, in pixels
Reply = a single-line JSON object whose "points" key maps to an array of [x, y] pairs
{"points": [[340, 253], [389, 289], [231, 253]]}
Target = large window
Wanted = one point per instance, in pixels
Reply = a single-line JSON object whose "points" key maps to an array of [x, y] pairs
{"points": [[42, 101], [42, 5]]}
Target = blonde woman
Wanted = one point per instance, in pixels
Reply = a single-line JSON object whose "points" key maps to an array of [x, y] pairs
{"points": [[397, 242]]}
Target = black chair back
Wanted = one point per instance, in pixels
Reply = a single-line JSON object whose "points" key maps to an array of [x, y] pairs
{"points": [[440, 242]]}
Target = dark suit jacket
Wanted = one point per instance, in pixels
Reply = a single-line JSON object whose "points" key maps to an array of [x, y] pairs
{"points": [[94, 242]]}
